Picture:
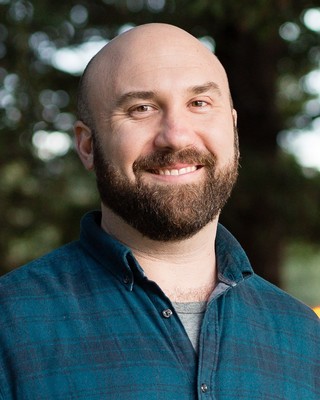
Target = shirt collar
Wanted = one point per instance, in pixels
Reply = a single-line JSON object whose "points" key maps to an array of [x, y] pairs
{"points": [[108, 251], [233, 264]]}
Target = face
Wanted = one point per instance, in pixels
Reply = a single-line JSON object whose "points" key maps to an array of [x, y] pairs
{"points": [[165, 151]]}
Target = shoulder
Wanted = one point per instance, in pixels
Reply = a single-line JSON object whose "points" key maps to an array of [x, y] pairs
{"points": [[266, 317], [47, 267], [271, 302]]}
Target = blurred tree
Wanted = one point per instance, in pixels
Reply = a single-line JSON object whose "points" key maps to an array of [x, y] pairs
{"points": [[265, 48]]}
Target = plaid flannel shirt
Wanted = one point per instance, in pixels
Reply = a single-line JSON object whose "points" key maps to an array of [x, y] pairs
{"points": [[84, 322]]}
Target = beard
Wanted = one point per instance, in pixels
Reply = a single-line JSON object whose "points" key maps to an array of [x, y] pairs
{"points": [[166, 212]]}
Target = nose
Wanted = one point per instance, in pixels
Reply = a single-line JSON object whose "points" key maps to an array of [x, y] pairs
{"points": [[175, 132]]}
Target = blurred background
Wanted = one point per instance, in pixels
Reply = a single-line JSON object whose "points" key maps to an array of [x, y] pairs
{"points": [[271, 51]]}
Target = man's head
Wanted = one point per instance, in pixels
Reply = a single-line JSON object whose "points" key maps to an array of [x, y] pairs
{"points": [[157, 125]]}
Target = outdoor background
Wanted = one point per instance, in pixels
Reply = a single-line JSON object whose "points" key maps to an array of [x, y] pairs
{"points": [[271, 51]]}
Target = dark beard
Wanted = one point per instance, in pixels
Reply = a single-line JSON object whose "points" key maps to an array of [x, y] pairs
{"points": [[165, 212]]}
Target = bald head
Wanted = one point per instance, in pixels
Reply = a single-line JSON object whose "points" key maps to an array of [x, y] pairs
{"points": [[147, 40], [145, 47]]}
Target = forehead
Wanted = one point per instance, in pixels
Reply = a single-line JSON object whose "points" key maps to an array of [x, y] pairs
{"points": [[147, 61], [163, 75]]}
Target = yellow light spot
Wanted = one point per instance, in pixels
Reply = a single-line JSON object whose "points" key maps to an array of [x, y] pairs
{"points": [[317, 311]]}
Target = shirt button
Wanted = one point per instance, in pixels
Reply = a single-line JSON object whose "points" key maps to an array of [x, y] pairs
{"points": [[126, 279], [204, 388], [167, 313]]}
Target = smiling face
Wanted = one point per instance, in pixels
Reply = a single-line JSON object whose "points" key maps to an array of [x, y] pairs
{"points": [[164, 152]]}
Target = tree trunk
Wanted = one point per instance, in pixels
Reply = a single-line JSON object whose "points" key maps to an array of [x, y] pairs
{"points": [[251, 66]]}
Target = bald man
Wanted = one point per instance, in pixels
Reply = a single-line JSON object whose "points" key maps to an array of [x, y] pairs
{"points": [[156, 300]]}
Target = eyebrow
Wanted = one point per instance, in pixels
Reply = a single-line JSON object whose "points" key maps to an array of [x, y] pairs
{"points": [[206, 87], [148, 95], [142, 95]]}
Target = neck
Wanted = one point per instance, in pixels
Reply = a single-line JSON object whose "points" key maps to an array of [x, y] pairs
{"points": [[185, 270]]}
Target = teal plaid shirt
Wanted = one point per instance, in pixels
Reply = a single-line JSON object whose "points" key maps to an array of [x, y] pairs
{"points": [[85, 323]]}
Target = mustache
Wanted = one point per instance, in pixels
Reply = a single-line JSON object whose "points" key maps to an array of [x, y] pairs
{"points": [[169, 158]]}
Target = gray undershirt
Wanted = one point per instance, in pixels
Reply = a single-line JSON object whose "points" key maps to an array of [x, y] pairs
{"points": [[191, 315]]}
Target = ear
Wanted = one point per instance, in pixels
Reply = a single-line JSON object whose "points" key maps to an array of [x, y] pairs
{"points": [[235, 117], [84, 144]]}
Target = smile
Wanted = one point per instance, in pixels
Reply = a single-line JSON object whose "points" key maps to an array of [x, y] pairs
{"points": [[175, 171]]}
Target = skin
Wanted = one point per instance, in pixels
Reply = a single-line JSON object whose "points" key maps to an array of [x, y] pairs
{"points": [[158, 88]]}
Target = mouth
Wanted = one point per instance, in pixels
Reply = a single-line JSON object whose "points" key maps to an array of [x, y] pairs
{"points": [[175, 171]]}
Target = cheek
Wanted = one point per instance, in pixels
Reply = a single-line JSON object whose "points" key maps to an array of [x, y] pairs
{"points": [[132, 139], [123, 151], [220, 140]]}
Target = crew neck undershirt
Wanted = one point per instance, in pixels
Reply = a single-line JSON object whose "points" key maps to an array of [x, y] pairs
{"points": [[191, 315]]}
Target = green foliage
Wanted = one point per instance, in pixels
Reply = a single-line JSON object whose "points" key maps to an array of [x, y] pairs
{"points": [[42, 197]]}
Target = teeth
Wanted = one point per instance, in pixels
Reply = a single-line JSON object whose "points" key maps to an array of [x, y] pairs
{"points": [[177, 171]]}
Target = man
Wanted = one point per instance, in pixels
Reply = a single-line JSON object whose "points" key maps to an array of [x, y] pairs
{"points": [[156, 300]]}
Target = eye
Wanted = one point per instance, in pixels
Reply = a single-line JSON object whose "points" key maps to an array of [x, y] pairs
{"points": [[199, 103], [141, 110]]}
